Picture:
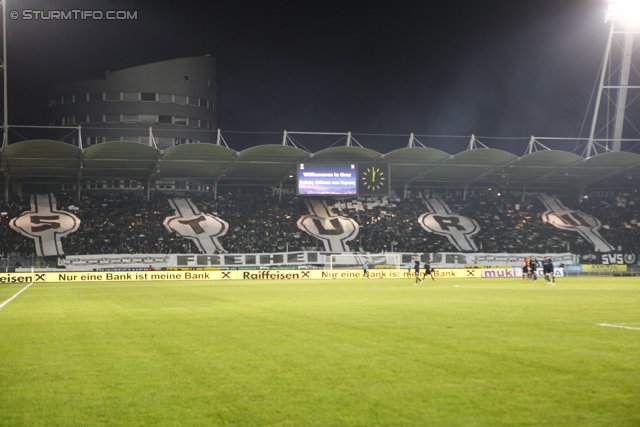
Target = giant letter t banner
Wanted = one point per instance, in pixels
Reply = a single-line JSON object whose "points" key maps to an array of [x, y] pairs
{"points": [[203, 229]]}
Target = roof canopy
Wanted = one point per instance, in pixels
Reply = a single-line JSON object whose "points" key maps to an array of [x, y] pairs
{"points": [[44, 161]]}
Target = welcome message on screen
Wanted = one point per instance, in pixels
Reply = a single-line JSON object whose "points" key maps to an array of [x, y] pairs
{"points": [[327, 178]]}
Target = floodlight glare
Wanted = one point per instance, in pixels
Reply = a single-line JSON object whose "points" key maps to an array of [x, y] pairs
{"points": [[623, 10]]}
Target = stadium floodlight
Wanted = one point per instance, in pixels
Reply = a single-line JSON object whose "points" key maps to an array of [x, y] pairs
{"points": [[623, 10]]}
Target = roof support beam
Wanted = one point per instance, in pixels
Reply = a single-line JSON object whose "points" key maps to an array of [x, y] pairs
{"points": [[610, 174], [80, 170], [220, 174], [490, 171], [555, 171], [7, 177], [423, 171]]}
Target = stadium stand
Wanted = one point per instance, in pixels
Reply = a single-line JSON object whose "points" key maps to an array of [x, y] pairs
{"points": [[125, 222]]}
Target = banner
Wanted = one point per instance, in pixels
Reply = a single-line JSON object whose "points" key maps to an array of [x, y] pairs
{"points": [[442, 221], [202, 229], [301, 259], [453, 260], [332, 230], [566, 219], [516, 272], [191, 276], [45, 224], [618, 258], [601, 268]]}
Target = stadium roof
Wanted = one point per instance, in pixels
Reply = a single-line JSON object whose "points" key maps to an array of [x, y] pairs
{"points": [[46, 161]]}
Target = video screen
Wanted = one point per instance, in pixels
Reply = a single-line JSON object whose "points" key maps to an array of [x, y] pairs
{"points": [[327, 178]]}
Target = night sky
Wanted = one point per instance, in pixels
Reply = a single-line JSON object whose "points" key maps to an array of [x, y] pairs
{"points": [[491, 68]]}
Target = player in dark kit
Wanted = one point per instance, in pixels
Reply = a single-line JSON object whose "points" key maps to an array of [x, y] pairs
{"points": [[428, 271], [547, 269], [533, 268], [524, 265], [416, 268]]}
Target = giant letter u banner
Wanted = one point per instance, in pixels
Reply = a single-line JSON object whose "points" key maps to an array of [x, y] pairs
{"points": [[334, 231], [567, 219]]}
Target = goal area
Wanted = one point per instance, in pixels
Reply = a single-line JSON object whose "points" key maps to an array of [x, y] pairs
{"points": [[336, 262]]}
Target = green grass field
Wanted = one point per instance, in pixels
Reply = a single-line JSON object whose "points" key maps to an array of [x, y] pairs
{"points": [[485, 352]]}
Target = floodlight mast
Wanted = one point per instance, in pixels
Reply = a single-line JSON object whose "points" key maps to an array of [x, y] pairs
{"points": [[5, 120], [626, 14]]}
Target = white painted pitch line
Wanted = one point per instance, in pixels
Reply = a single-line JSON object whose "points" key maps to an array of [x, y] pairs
{"points": [[544, 287], [13, 297], [607, 325]]}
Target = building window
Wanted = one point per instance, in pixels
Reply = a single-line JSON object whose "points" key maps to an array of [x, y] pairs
{"points": [[67, 99], [148, 118], [187, 78], [181, 121], [52, 103], [93, 140], [95, 96], [80, 119], [194, 101], [179, 141], [208, 83], [146, 96], [204, 124], [95, 118], [163, 97], [111, 138], [71, 120], [179, 99], [167, 120], [130, 96], [112, 96], [194, 122], [112, 118], [80, 97], [130, 118]]}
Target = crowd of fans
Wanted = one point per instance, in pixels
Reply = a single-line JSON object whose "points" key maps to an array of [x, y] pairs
{"points": [[261, 222]]}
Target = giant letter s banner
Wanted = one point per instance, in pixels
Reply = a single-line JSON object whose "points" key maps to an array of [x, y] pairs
{"points": [[457, 228], [203, 229], [45, 224]]}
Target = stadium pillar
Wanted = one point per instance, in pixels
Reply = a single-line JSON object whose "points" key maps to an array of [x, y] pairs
{"points": [[464, 195], [280, 193], [148, 189], [524, 189], [215, 190]]}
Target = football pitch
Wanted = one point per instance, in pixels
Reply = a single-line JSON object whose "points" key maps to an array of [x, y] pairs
{"points": [[476, 352]]}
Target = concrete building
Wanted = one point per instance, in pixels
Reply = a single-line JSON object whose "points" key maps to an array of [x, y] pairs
{"points": [[162, 104]]}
